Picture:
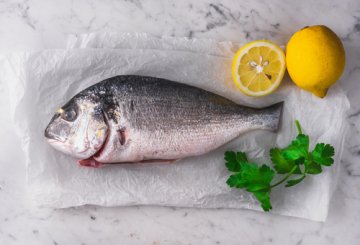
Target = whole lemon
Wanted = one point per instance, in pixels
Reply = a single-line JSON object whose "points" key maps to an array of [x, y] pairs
{"points": [[315, 59]]}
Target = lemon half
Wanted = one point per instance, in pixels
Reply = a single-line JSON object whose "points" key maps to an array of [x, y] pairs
{"points": [[258, 68]]}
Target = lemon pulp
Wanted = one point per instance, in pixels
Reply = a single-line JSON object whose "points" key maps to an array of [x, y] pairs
{"points": [[258, 68]]}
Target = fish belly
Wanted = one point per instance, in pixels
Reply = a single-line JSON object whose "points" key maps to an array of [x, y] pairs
{"points": [[168, 143]]}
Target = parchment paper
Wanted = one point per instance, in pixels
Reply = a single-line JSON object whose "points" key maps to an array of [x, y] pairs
{"points": [[139, 40], [40, 82]]}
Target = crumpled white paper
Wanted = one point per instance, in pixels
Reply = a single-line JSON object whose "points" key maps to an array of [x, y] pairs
{"points": [[136, 40], [40, 82]]}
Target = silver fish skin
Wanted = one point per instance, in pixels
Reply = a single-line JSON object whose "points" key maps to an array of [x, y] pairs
{"points": [[136, 118]]}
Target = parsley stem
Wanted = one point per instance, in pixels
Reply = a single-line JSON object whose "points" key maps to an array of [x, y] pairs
{"points": [[285, 178], [298, 126]]}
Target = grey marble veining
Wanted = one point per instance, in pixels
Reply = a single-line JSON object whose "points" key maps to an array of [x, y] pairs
{"points": [[30, 24]]}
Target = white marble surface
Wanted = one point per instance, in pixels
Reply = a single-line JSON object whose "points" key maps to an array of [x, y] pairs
{"points": [[35, 24]]}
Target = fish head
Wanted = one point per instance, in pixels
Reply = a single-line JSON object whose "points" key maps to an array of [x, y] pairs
{"points": [[78, 128]]}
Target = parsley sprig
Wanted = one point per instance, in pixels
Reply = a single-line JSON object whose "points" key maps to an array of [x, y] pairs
{"points": [[293, 160]]}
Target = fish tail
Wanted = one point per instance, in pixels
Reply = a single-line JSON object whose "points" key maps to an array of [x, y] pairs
{"points": [[271, 116]]}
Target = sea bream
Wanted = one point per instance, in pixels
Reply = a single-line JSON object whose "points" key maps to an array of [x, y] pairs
{"points": [[129, 119]]}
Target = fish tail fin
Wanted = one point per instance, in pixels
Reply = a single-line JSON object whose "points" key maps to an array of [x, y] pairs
{"points": [[271, 116]]}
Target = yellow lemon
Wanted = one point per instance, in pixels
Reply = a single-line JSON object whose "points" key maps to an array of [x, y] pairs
{"points": [[315, 59], [258, 68]]}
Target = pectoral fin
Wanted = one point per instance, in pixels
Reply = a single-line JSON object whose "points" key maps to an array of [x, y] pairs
{"points": [[90, 162], [122, 135]]}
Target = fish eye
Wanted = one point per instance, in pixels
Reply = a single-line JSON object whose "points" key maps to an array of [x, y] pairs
{"points": [[69, 115]]}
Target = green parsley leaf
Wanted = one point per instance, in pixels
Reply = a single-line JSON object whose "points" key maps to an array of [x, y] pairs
{"points": [[293, 182], [281, 165], [241, 157], [264, 198], [322, 154], [298, 149], [233, 160], [255, 179], [252, 177], [312, 167], [230, 161], [236, 180]]}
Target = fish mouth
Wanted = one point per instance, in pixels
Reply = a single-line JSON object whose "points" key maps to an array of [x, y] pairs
{"points": [[53, 138], [49, 135], [53, 141]]}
